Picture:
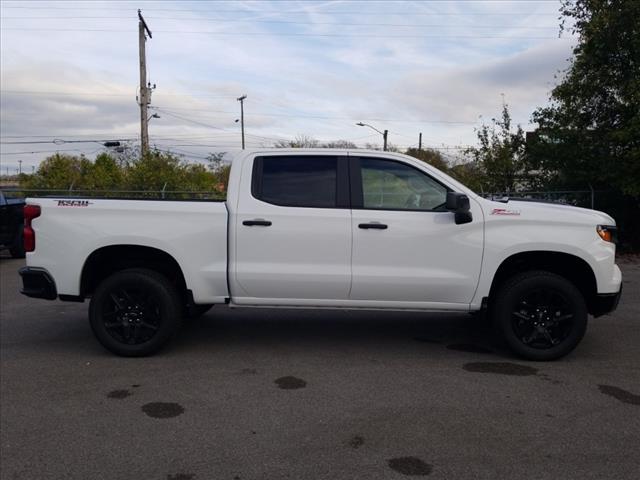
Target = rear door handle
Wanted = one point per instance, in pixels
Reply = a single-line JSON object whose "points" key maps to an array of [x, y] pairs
{"points": [[374, 225], [257, 223]]}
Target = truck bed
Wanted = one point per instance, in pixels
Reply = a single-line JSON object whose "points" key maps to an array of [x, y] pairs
{"points": [[70, 229]]}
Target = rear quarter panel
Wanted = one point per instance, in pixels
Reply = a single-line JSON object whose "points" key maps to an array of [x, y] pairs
{"points": [[193, 233]]}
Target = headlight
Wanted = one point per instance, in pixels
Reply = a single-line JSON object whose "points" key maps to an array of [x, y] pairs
{"points": [[608, 233]]}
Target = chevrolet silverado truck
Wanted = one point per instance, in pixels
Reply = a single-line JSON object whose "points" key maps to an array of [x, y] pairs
{"points": [[343, 229]]}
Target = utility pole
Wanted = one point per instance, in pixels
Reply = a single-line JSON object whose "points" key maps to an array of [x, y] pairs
{"points": [[420, 141], [241, 100], [144, 88], [384, 136], [19, 167]]}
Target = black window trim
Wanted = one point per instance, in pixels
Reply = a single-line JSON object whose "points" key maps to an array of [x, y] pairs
{"points": [[357, 195], [343, 191]]}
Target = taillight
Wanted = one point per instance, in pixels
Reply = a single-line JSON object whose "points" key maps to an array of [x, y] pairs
{"points": [[28, 235]]}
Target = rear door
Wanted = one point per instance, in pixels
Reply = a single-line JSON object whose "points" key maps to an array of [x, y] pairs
{"points": [[406, 245], [293, 230]]}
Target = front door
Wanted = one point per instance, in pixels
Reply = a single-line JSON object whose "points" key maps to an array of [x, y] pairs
{"points": [[293, 232], [407, 247]]}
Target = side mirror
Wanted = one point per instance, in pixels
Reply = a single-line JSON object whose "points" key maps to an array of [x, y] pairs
{"points": [[459, 204]]}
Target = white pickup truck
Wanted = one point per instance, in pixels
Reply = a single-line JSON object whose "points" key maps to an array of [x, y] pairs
{"points": [[325, 228]]}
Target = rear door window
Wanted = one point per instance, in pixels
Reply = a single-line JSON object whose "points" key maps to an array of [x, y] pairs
{"points": [[296, 180]]}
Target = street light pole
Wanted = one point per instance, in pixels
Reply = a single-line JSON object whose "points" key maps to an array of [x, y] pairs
{"points": [[241, 100], [384, 134]]}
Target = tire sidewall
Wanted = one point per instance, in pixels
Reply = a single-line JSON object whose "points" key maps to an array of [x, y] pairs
{"points": [[513, 291], [167, 301]]}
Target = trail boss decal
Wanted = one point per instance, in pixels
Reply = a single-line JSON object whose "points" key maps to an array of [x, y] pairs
{"points": [[504, 211], [74, 203]]}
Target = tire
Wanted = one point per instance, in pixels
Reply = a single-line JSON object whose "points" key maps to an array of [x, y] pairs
{"points": [[194, 311], [135, 312], [541, 316], [17, 251]]}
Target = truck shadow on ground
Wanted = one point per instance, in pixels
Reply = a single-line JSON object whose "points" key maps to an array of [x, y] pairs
{"points": [[317, 328]]}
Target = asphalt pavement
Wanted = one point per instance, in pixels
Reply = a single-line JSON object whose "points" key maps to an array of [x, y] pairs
{"points": [[301, 394]]}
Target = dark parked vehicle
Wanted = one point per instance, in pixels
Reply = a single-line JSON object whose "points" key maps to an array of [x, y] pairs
{"points": [[11, 223]]}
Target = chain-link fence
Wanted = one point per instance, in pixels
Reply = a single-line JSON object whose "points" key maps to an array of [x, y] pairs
{"points": [[577, 198]]}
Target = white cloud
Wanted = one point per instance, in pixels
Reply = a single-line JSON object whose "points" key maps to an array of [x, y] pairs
{"points": [[395, 83]]}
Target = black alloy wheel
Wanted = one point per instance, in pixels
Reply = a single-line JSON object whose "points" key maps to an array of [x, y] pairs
{"points": [[543, 318], [541, 315], [131, 315], [135, 312]]}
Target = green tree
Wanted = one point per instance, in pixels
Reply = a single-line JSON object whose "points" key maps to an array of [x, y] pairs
{"points": [[57, 172], [103, 174], [156, 171], [469, 174], [432, 157], [214, 160], [220, 170], [590, 134], [500, 156]]}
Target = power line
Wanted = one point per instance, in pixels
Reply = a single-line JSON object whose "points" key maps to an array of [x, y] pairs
{"points": [[324, 117], [54, 136], [292, 34], [195, 122], [59, 141], [97, 94], [39, 151], [306, 12], [167, 137], [289, 22]]}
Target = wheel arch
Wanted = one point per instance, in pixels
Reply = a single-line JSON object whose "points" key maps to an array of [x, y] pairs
{"points": [[568, 266], [107, 260]]}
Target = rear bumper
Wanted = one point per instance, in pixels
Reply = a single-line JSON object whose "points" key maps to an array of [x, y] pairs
{"points": [[37, 283], [605, 303]]}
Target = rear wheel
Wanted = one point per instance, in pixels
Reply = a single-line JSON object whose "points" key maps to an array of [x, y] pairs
{"points": [[135, 312], [541, 315]]}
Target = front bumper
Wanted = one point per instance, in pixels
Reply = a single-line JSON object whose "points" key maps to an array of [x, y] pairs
{"points": [[605, 303], [37, 283]]}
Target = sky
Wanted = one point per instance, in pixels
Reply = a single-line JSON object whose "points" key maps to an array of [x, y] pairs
{"points": [[70, 72]]}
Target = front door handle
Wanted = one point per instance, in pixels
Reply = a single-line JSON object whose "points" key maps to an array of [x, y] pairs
{"points": [[374, 225], [257, 223]]}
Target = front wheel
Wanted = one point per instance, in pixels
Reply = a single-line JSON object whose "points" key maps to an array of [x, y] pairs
{"points": [[134, 312], [541, 315]]}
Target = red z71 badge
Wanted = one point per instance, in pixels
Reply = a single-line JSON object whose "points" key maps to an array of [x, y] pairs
{"points": [[504, 211]]}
